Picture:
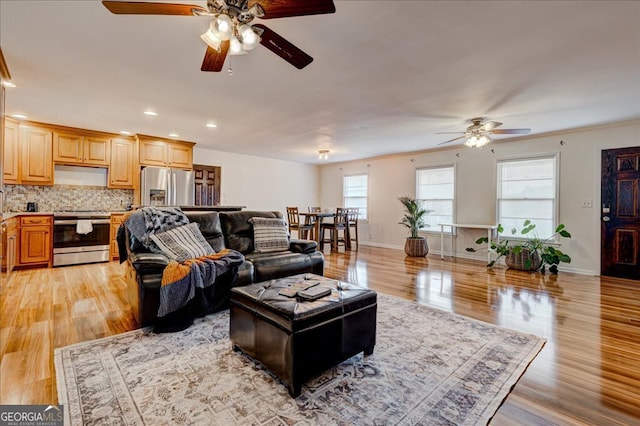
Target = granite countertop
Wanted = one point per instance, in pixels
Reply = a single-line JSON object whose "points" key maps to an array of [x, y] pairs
{"points": [[9, 215]]}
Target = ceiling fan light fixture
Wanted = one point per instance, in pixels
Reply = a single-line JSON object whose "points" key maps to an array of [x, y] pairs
{"points": [[471, 142], [323, 154], [211, 40], [235, 47], [222, 27], [482, 141], [250, 40]]}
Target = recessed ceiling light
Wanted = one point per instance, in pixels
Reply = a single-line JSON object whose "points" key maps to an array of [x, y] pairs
{"points": [[212, 125], [19, 116], [150, 113], [8, 83], [173, 135], [125, 132]]}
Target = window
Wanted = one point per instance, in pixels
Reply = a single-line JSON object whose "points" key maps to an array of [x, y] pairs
{"points": [[527, 189], [354, 191], [435, 190]]}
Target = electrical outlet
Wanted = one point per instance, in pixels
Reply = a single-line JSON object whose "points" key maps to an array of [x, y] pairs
{"points": [[586, 204]]}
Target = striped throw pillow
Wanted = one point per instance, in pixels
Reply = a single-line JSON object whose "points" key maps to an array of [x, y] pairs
{"points": [[183, 242], [269, 234]]}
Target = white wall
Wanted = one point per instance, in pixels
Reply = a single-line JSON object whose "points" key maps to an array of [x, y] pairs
{"points": [[394, 176], [262, 183]]}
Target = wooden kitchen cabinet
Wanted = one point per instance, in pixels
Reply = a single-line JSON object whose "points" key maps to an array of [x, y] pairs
{"points": [[159, 152], [36, 155], [116, 220], [124, 168], [78, 149], [35, 240], [11, 147], [10, 245]]}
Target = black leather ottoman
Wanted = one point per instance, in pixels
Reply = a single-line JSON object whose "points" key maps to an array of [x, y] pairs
{"points": [[297, 339]]}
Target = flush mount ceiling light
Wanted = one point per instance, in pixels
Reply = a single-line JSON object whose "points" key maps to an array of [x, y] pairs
{"points": [[8, 83], [174, 135], [19, 116], [477, 134], [150, 113], [211, 125], [125, 132], [230, 32], [323, 154]]}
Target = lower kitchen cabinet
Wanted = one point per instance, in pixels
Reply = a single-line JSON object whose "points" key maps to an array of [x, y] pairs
{"points": [[35, 240], [116, 220], [10, 245]]}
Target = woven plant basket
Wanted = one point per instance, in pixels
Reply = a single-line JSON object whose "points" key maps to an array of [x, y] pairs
{"points": [[519, 260], [416, 247]]}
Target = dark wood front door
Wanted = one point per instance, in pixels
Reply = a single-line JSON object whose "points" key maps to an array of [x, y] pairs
{"points": [[207, 181], [620, 213]]}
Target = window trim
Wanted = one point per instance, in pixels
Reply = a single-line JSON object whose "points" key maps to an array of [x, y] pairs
{"points": [[365, 219], [555, 156], [436, 229]]}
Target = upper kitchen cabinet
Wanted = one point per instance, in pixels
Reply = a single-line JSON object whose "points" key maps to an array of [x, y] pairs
{"points": [[11, 147], [160, 152], [36, 155], [124, 165], [82, 150]]}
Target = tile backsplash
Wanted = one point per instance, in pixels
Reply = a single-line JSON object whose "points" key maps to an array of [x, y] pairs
{"points": [[66, 197]]}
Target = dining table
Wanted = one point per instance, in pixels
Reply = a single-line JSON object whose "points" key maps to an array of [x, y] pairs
{"points": [[317, 218]]}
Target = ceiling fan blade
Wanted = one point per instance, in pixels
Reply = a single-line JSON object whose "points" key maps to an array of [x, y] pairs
{"points": [[285, 8], [214, 60], [487, 127], [451, 140], [139, 8], [283, 48], [511, 132]]}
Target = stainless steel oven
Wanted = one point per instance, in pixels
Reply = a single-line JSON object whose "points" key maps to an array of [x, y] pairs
{"points": [[80, 237]]}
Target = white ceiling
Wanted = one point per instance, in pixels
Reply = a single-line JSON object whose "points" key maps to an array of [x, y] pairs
{"points": [[386, 76]]}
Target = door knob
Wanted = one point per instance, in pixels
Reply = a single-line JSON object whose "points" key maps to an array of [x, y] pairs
{"points": [[606, 218]]}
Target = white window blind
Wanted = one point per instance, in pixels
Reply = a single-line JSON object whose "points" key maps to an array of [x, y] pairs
{"points": [[354, 192], [435, 190], [527, 189]]}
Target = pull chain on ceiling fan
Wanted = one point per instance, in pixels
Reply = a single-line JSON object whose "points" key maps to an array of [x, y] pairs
{"points": [[478, 134], [230, 32]]}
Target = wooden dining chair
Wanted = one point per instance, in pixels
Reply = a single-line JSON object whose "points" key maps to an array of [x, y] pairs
{"points": [[338, 225], [303, 230], [352, 226]]}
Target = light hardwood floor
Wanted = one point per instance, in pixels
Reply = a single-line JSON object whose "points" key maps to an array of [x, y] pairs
{"points": [[587, 373]]}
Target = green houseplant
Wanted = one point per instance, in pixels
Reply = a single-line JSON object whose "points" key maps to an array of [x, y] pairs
{"points": [[413, 219], [529, 252]]}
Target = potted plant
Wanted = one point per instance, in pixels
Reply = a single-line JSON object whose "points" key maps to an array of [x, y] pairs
{"points": [[530, 252], [415, 245]]}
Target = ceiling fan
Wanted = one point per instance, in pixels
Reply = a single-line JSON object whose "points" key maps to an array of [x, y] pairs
{"points": [[230, 32], [477, 134]]}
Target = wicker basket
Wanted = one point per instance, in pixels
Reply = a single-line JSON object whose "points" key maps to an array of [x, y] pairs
{"points": [[519, 260], [416, 247]]}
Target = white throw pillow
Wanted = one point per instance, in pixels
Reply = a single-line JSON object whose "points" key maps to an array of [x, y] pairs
{"points": [[183, 242], [269, 234]]}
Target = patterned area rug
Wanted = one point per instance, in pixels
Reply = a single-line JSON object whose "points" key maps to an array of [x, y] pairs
{"points": [[428, 367]]}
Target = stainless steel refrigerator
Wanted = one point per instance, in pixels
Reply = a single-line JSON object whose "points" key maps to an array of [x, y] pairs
{"points": [[167, 187]]}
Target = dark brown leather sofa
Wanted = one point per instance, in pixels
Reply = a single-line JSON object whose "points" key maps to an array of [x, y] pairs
{"points": [[222, 230]]}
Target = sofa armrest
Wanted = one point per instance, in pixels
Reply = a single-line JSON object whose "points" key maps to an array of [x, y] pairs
{"points": [[146, 263], [303, 246]]}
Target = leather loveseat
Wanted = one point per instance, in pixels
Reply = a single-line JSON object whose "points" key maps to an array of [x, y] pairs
{"points": [[222, 230]]}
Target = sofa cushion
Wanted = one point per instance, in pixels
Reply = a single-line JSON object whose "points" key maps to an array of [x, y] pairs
{"points": [[210, 227], [237, 230], [269, 235], [182, 243]]}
